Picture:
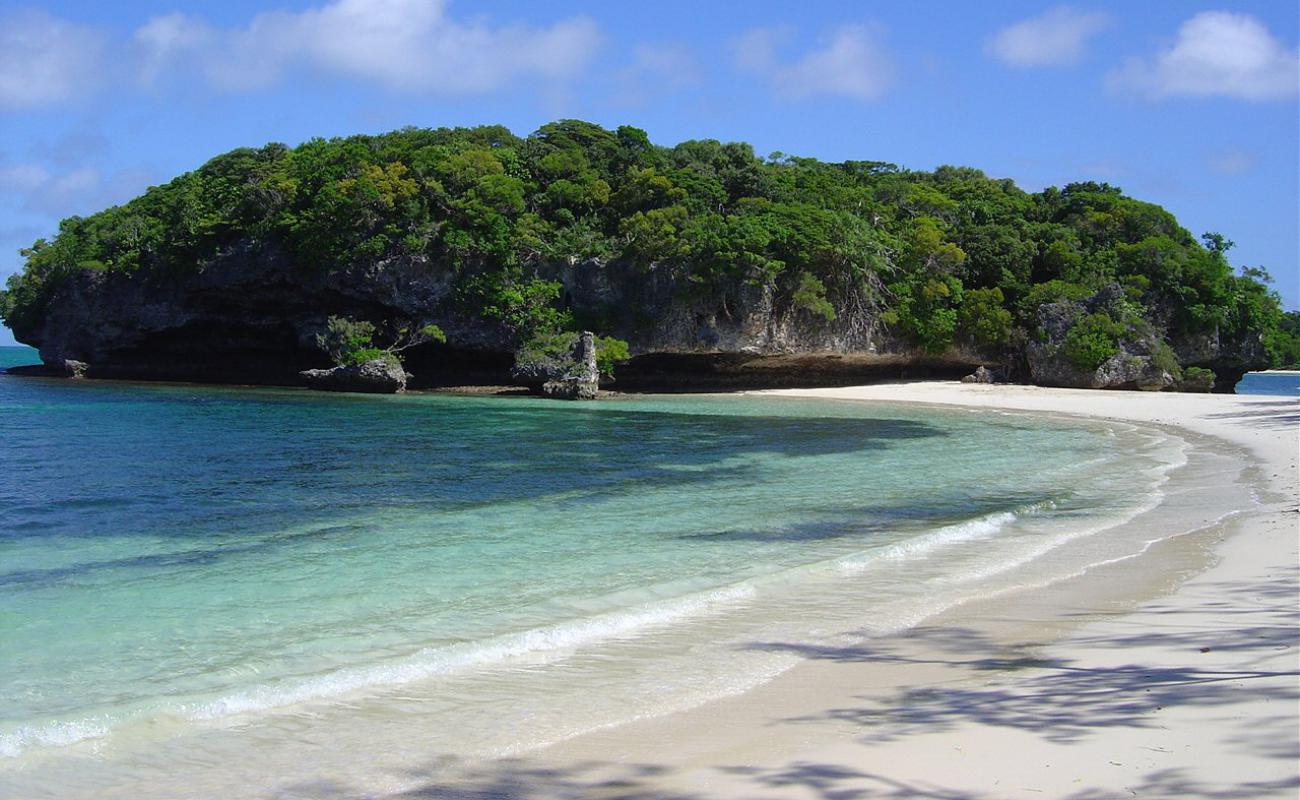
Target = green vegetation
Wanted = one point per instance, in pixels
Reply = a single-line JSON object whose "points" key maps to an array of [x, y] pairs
{"points": [[351, 343], [1283, 344], [810, 295], [525, 306], [943, 258], [556, 347], [1092, 340]]}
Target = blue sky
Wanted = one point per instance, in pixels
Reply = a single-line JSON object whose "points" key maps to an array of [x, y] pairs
{"points": [[1187, 104]]}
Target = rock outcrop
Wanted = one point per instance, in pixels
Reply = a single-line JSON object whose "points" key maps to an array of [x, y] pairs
{"points": [[251, 316], [1195, 380], [981, 374], [377, 376], [580, 381], [74, 369], [1143, 361]]}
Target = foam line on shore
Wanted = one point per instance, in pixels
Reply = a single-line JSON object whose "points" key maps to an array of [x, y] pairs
{"points": [[432, 662]]}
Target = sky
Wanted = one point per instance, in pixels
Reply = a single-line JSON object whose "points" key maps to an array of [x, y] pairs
{"points": [[1191, 105]]}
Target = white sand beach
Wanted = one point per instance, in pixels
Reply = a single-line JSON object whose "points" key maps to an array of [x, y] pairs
{"points": [[1171, 674]]}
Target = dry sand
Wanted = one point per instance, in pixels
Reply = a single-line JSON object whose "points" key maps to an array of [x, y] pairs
{"points": [[1174, 674]]}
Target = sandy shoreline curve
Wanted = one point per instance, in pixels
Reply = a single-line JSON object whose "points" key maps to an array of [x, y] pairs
{"points": [[1172, 674]]}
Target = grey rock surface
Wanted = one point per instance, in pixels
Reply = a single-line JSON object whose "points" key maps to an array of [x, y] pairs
{"points": [[75, 369], [378, 376], [582, 379], [250, 315], [1195, 382]]}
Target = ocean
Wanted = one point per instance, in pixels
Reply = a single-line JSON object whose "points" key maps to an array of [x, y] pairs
{"points": [[1277, 384], [226, 591]]}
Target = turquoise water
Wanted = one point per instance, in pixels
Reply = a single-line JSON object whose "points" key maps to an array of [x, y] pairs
{"points": [[18, 357], [1270, 383], [250, 582]]}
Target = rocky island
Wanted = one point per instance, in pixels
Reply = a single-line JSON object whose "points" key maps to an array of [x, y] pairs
{"points": [[556, 259]]}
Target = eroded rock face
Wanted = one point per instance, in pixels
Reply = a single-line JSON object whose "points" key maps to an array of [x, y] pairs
{"points": [[1195, 382], [1131, 368], [581, 381], [378, 376], [251, 315], [981, 374], [75, 369], [1124, 370]]}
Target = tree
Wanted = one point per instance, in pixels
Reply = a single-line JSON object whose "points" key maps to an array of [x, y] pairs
{"points": [[351, 342], [983, 318]]}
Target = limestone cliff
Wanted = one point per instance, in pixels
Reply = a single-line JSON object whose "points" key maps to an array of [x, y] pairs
{"points": [[251, 316]]}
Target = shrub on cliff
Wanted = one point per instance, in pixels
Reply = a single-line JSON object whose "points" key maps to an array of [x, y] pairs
{"points": [[1283, 344], [1091, 340], [350, 342], [546, 355], [984, 318]]}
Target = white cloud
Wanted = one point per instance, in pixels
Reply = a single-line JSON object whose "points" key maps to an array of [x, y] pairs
{"points": [[45, 60], [77, 191], [1053, 38], [670, 64], [407, 45], [1216, 54], [72, 148], [755, 50], [164, 40], [655, 71], [1104, 170], [852, 63], [23, 177], [1230, 162]]}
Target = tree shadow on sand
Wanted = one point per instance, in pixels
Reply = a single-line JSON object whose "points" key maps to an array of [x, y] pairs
{"points": [[1059, 699], [1063, 700], [522, 779], [1279, 414]]}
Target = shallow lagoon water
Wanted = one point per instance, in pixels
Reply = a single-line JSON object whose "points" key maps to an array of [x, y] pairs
{"points": [[234, 584]]}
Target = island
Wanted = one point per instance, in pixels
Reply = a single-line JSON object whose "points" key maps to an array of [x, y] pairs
{"points": [[464, 256]]}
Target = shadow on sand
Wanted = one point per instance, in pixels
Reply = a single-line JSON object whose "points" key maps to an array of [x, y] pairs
{"points": [[1006, 686]]}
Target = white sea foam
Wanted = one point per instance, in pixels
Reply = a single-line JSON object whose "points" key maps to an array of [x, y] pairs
{"points": [[1028, 555], [436, 661], [979, 528], [53, 734], [431, 662], [1168, 459]]}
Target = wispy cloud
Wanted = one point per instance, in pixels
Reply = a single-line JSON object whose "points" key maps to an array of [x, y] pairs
{"points": [[409, 45], [852, 62], [405, 45], [1054, 38], [1230, 162], [656, 70], [45, 60], [1216, 54], [79, 190]]}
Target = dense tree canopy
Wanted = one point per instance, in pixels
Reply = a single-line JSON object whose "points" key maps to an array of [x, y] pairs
{"points": [[945, 257]]}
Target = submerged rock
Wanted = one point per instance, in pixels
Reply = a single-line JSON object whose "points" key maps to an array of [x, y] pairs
{"points": [[377, 376], [582, 378]]}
